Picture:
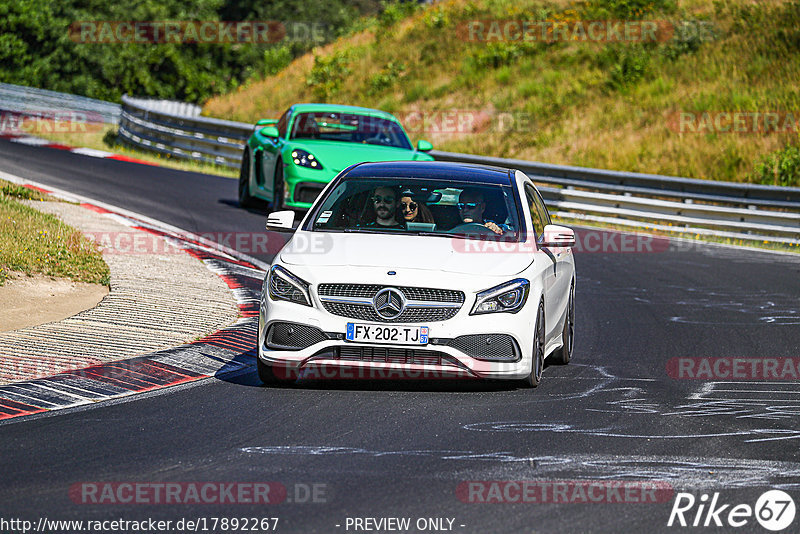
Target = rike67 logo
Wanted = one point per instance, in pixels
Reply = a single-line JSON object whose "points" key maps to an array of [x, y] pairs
{"points": [[774, 510]]}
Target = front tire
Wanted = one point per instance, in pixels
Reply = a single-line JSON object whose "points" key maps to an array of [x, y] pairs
{"points": [[537, 358], [245, 200], [563, 355]]}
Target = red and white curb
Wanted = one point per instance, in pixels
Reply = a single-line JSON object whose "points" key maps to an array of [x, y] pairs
{"points": [[231, 350]]}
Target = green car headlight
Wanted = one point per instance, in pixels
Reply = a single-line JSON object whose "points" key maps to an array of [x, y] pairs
{"points": [[305, 159], [283, 285]]}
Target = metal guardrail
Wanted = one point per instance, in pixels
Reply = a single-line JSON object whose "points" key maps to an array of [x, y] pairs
{"points": [[148, 126], [170, 107], [35, 102], [707, 207]]}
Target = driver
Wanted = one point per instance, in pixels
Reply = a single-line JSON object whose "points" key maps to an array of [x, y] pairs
{"points": [[471, 206], [384, 203]]}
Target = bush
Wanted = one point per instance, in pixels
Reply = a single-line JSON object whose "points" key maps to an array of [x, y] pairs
{"points": [[327, 75], [630, 66], [394, 12], [495, 55], [689, 36], [779, 168], [276, 59], [385, 78]]}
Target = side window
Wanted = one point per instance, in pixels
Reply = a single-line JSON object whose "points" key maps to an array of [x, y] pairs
{"points": [[536, 216], [545, 215], [283, 123]]}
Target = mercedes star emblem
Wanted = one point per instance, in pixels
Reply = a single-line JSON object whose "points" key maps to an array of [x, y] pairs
{"points": [[389, 303]]}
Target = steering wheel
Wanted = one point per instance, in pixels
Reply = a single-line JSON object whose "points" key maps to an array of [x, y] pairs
{"points": [[380, 139], [472, 228]]}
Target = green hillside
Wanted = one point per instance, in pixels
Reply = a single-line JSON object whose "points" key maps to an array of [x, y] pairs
{"points": [[615, 105]]}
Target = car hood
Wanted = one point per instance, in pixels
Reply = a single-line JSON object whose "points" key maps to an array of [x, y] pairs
{"points": [[442, 254], [337, 156]]}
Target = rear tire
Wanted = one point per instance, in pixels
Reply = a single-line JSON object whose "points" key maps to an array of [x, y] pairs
{"points": [[268, 376], [563, 355], [537, 358], [245, 200]]}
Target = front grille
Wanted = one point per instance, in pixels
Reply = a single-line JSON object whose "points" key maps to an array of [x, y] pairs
{"points": [[496, 347], [390, 355], [293, 336], [421, 303], [409, 315], [411, 293]]}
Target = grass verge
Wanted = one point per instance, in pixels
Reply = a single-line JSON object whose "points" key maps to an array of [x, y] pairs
{"points": [[32, 242]]}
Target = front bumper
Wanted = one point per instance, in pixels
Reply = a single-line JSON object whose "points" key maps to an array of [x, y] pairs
{"points": [[303, 185], [492, 346]]}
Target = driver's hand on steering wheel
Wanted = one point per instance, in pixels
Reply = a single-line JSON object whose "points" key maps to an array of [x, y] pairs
{"points": [[494, 227]]}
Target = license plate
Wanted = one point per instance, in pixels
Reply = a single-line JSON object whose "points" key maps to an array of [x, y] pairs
{"points": [[396, 335]]}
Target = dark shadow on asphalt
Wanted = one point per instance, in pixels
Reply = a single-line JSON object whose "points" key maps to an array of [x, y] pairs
{"points": [[462, 385], [235, 374]]}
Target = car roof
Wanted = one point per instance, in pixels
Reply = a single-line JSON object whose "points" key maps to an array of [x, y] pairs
{"points": [[440, 170], [341, 108]]}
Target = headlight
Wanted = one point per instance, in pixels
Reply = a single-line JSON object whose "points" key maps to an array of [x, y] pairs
{"points": [[508, 297], [305, 159], [283, 285]]}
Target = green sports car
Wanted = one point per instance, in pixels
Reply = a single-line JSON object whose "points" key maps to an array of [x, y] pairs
{"points": [[288, 161]]}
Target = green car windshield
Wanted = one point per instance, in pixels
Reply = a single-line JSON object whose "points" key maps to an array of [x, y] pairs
{"points": [[418, 206], [349, 128]]}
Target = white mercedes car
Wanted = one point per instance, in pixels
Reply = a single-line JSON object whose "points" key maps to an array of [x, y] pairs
{"points": [[419, 270]]}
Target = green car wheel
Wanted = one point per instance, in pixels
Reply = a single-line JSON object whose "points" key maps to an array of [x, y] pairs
{"points": [[245, 200]]}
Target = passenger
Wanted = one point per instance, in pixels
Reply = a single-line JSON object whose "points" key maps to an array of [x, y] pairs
{"points": [[471, 205], [384, 203], [414, 211]]}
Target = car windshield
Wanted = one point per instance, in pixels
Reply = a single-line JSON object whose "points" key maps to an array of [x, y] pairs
{"points": [[350, 128], [417, 206]]}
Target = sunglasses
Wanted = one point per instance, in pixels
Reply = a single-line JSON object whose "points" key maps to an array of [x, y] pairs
{"points": [[410, 206], [377, 199], [468, 205]]}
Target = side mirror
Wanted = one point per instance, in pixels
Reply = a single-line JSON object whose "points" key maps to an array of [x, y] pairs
{"points": [[424, 146], [557, 236], [267, 122], [269, 131], [281, 221]]}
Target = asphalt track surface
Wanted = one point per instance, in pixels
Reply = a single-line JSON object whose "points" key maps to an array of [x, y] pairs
{"points": [[405, 449]]}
